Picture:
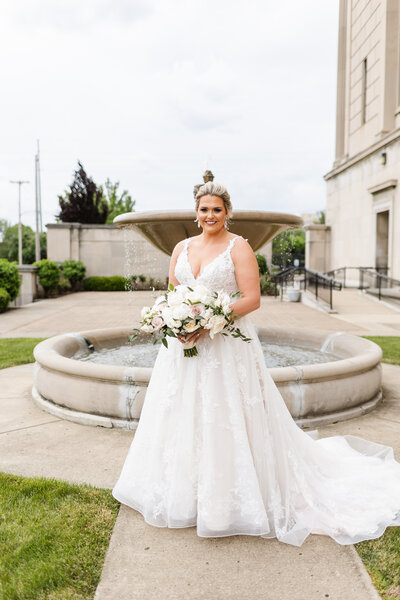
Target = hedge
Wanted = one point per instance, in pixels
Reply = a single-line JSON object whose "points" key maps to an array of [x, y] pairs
{"points": [[117, 283], [10, 279], [49, 273], [4, 300], [73, 270]]}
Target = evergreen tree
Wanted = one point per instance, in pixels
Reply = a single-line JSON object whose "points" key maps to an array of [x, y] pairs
{"points": [[84, 202]]}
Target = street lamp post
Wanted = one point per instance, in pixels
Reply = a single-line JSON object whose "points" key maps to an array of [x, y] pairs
{"points": [[19, 182]]}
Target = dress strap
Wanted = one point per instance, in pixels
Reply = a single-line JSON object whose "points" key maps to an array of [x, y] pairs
{"points": [[233, 240]]}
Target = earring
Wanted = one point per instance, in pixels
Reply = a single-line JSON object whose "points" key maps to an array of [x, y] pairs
{"points": [[226, 224], [198, 222]]}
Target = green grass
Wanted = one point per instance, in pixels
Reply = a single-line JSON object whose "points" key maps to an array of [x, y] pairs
{"points": [[53, 538], [17, 351], [381, 557], [390, 347]]}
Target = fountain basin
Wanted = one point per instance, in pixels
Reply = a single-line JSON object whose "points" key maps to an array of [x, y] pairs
{"points": [[112, 396], [164, 229]]}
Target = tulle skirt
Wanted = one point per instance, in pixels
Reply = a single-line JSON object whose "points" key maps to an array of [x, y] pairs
{"points": [[216, 448]]}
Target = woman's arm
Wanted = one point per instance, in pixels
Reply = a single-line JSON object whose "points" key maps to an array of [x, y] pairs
{"points": [[247, 277], [174, 257]]}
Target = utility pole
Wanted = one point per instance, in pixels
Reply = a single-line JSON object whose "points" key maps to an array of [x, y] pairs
{"points": [[20, 182], [38, 204]]}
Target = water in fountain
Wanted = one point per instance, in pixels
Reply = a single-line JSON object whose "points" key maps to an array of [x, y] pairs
{"points": [[143, 354]]}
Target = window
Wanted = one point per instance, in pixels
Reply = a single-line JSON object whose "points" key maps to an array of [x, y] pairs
{"points": [[364, 92]]}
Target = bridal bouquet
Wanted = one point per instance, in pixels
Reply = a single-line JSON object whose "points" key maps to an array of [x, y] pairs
{"points": [[183, 309]]}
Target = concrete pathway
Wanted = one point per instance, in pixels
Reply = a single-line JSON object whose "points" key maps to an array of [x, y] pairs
{"points": [[145, 561]]}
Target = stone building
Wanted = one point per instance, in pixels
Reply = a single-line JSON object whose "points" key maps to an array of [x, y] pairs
{"points": [[363, 196]]}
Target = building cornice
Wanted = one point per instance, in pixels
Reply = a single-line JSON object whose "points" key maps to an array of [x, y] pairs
{"points": [[385, 185], [388, 139]]}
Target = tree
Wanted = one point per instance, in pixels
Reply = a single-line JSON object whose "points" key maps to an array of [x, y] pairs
{"points": [[116, 205], [320, 220], [287, 246], [4, 225], [9, 245], [84, 202]]}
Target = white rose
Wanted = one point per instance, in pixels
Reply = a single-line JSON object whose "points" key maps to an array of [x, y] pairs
{"points": [[192, 326], [215, 324], [160, 300], [147, 328], [177, 296], [200, 294], [144, 311], [166, 315], [157, 322], [181, 311]]}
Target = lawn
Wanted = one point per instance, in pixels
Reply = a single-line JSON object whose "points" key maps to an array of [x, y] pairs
{"points": [[54, 537], [390, 347], [17, 351]]}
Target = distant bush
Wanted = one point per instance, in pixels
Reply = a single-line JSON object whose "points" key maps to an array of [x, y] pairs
{"points": [[116, 283], [121, 284], [267, 286], [4, 300], [10, 279], [49, 274], [73, 270], [64, 285], [262, 264]]}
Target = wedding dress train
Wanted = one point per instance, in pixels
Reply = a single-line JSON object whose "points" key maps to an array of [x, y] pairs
{"points": [[217, 448]]}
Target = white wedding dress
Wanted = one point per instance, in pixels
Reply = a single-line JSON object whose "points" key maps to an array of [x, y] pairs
{"points": [[217, 448]]}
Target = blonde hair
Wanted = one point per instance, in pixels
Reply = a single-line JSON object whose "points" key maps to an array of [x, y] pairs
{"points": [[212, 188]]}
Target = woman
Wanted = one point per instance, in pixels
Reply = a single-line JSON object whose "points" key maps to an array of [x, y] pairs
{"points": [[216, 446]]}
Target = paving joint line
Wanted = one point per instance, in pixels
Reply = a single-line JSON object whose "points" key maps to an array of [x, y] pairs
{"points": [[31, 426]]}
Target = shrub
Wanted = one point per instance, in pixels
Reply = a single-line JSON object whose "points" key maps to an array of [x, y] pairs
{"points": [[262, 264], [49, 273], [267, 286], [4, 300], [10, 279], [105, 284], [142, 278], [73, 270], [64, 285]]}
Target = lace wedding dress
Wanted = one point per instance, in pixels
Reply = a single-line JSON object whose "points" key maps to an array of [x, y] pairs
{"points": [[217, 448]]}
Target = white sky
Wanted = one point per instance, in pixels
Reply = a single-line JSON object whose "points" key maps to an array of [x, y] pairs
{"points": [[146, 91]]}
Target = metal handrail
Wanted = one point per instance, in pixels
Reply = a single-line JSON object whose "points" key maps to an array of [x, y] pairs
{"points": [[380, 278], [319, 280]]}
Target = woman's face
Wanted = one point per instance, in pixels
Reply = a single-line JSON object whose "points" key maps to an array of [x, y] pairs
{"points": [[211, 213]]}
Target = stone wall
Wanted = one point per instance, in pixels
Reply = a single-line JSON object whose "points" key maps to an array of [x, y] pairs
{"points": [[105, 250], [109, 250]]}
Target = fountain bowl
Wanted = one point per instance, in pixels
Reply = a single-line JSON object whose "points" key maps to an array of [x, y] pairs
{"points": [[113, 396], [164, 229]]}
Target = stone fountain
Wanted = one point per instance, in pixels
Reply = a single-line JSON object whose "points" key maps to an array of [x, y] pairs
{"points": [[113, 395]]}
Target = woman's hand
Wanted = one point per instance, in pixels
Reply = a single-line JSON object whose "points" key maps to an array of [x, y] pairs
{"points": [[194, 336]]}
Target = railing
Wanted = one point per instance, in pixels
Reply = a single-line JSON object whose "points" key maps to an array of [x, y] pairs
{"points": [[346, 277], [378, 283], [321, 285]]}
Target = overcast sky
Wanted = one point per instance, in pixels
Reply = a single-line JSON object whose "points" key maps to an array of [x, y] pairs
{"points": [[150, 92]]}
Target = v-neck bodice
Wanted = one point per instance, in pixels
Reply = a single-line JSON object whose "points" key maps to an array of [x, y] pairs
{"points": [[219, 274]]}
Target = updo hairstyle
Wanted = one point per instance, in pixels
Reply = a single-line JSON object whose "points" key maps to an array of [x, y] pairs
{"points": [[213, 188]]}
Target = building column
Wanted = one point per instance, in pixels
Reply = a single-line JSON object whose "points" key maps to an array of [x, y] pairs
{"points": [[318, 247]]}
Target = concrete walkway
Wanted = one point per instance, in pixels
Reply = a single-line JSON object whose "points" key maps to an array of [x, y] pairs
{"points": [[144, 561]]}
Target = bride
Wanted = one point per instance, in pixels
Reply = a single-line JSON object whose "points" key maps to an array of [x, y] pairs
{"points": [[216, 446]]}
